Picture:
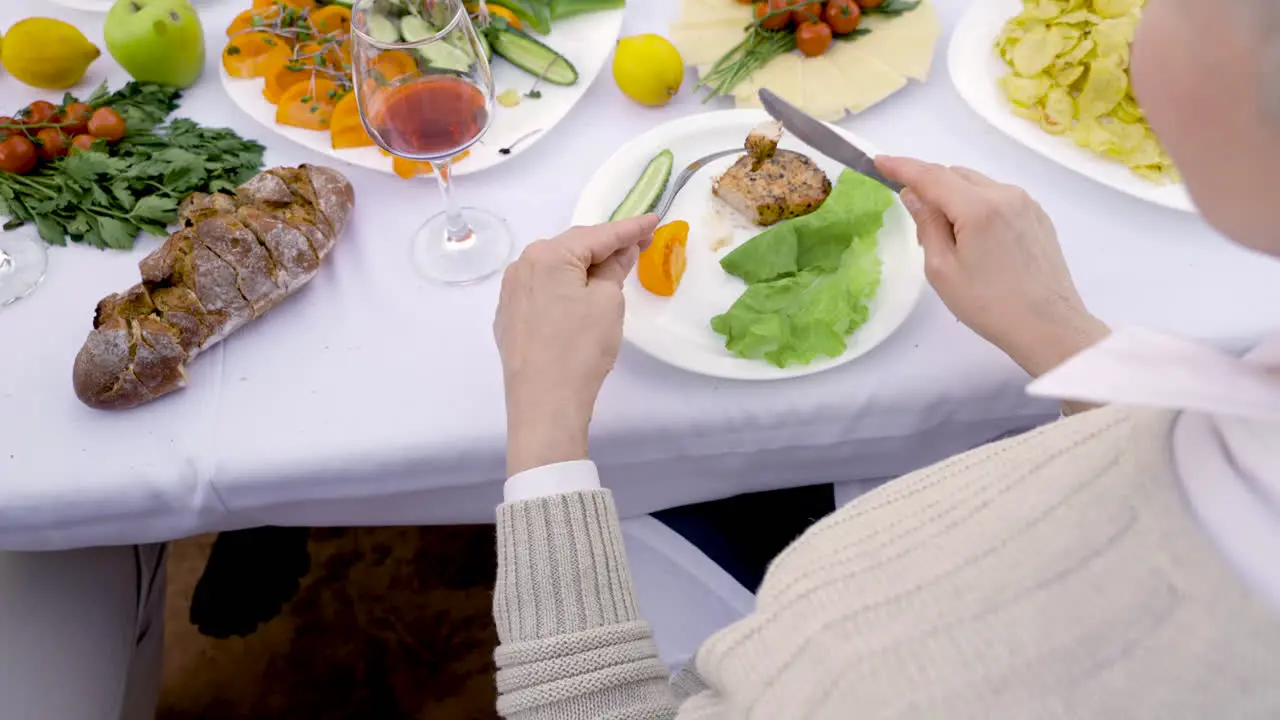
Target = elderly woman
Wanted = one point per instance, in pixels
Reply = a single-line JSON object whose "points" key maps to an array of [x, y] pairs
{"points": [[1119, 563]]}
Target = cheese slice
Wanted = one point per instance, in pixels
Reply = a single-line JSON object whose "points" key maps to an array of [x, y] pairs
{"points": [[705, 43], [867, 81], [825, 92], [782, 75], [903, 43], [712, 11]]}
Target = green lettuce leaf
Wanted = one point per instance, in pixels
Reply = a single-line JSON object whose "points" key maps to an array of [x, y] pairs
{"points": [[809, 279]]}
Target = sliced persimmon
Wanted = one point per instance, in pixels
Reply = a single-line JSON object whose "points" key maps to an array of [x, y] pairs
{"points": [[350, 137], [300, 4], [308, 105], [250, 55], [393, 65], [346, 114], [252, 18], [282, 74], [330, 20]]}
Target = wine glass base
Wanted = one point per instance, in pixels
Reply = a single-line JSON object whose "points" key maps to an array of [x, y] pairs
{"points": [[487, 251], [23, 261]]}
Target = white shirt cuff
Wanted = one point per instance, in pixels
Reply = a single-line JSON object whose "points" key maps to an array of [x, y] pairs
{"points": [[554, 479]]}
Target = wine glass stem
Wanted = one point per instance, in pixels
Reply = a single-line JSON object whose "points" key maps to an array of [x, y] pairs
{"points": [[458, 230]]}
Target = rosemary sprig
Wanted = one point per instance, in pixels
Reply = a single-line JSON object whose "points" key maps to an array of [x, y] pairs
{"points": [[754, 52]]}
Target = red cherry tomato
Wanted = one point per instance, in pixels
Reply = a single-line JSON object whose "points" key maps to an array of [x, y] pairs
{"points": [[82, 142], [813, 38], [107, 124], [51, 144], [774, 22], [17, 155], [5, 131], [870, 4], [842, 15], [805, 12], [76, 118], [39, 113]]}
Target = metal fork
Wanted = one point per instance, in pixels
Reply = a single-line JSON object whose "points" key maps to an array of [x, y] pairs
{"points": [[685, 175]]}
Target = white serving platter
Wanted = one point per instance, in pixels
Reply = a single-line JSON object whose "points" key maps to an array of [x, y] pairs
{"points": [[975, 68], [586, 40]]}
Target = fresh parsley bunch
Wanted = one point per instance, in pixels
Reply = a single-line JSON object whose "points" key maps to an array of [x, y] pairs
{"points": [[107, 195]]}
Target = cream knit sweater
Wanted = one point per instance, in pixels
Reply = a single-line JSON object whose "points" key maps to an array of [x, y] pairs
{"points": [[1054, 575]]}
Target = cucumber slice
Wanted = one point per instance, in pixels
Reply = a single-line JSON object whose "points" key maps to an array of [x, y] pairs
{"points": [[439, 55], [648, 189], [526, 53], [383, 29], [443, 56], [414, 28]]}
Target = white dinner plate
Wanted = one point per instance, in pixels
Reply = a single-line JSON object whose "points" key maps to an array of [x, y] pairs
{"points": [[975, 68], [677, 330], [586, 40]]}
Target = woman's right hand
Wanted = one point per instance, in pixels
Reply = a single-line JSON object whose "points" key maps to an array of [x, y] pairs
{"points": [[992, 255]]}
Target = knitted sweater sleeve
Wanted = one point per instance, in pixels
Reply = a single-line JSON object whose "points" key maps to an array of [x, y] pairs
{"points": [[572, 644]]}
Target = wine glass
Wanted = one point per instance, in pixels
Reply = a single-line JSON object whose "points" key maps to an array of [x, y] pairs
{"points": [[425, 93], [23, 260]]}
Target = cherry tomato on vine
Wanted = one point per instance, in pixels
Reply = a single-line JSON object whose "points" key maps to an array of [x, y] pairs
{"points": [[805, 12], [774, 22], [813, 38], [870, 4], [107, 124], [17, 155], [82, 142], [76, 118], [842, 15], [5, 132], [51, 144], [39, 113]]}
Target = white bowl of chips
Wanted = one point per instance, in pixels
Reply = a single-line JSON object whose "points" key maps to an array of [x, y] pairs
{"points": [[1056, 80]]}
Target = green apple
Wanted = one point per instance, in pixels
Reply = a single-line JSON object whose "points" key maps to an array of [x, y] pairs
{"points": [[157, 41]]}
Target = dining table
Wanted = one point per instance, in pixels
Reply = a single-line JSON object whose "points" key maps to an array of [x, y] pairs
{"points": [[374, 397]]}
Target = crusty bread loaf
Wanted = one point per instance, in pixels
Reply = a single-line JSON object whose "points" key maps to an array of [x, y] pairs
{"points": [[234, 258]]}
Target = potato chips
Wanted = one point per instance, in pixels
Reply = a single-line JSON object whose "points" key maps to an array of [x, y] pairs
{"points": [[1070, 74]]}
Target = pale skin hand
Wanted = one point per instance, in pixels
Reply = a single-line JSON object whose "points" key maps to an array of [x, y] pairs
{"points": [[559, 328], [992, 255]]}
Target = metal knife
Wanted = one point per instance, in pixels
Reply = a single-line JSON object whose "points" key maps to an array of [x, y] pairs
{"points": [[817, 135]]}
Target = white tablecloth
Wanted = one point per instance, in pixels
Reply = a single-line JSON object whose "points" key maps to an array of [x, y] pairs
{"points": [[375, 398]]}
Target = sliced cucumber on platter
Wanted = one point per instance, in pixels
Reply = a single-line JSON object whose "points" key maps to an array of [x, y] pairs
{"points": [[648, 190], [383, 29], [525, 52], [439, 55]]}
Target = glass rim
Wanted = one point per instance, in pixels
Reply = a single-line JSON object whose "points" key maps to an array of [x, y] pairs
{"points": [[359, 28]]}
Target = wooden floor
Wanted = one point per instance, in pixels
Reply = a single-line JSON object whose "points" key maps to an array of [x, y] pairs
{"points": [[389, 623]]}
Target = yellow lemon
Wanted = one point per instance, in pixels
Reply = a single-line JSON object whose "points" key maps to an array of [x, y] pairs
{"points": [[648, 69], [47, 53]]}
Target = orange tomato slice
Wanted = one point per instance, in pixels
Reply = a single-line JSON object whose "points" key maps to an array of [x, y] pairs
{"points": [[661, 265]]}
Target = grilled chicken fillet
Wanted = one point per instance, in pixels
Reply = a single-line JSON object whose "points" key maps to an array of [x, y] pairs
{"points": [[785, 186]]}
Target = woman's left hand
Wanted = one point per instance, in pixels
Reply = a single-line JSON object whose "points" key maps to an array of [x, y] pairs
{"points": [[559, 328]]}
